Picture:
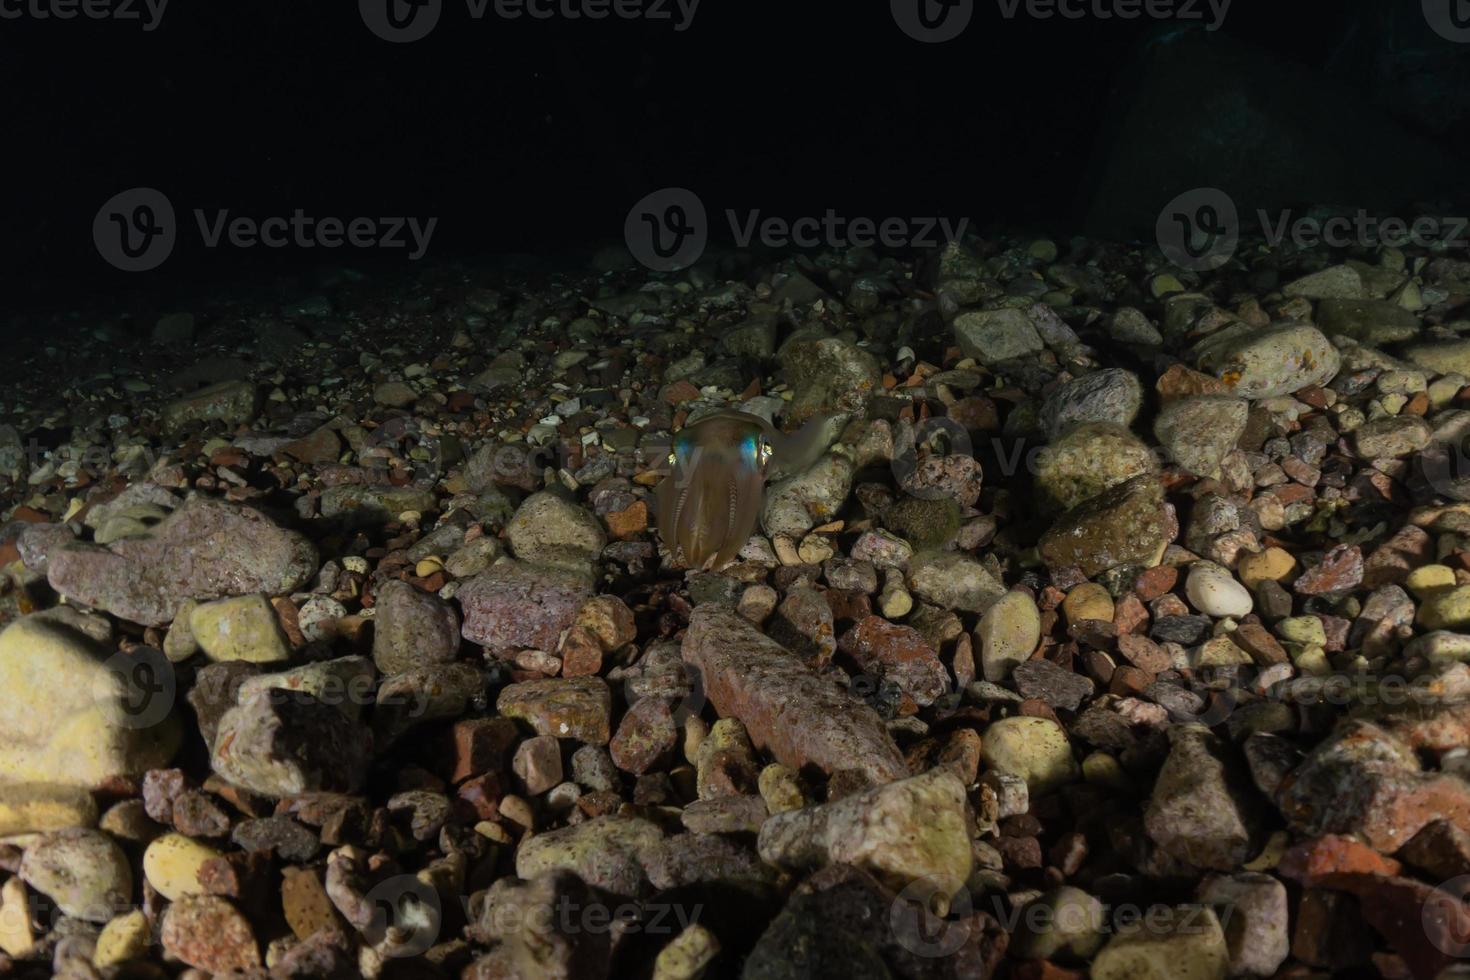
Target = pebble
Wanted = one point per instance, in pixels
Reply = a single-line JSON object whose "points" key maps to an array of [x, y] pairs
{"points": [[1111, 395], [67, 720], [1214, 591], [993, 336], [244, 628], [172, 862], [1190, 946], [146, 579], [1271, 361], [1087, 601], [83, 871], [1036, 749], [411, 628], [1007, 634], [1198, 433], [911, 830], [1273, 564], [1087, 460]]}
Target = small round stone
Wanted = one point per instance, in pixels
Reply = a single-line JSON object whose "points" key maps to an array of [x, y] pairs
{"points": [[1088, 601], [1430, 579], [1008, 632], [1273, 564], [172, 862], [1215, 592], [1447, 609], [1036, 749]]}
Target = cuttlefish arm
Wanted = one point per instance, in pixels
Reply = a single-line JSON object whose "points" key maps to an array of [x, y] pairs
{"points": [[710, 502]]}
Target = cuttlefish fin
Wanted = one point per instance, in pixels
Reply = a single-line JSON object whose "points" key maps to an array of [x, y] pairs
{"points": [[795, 453]]}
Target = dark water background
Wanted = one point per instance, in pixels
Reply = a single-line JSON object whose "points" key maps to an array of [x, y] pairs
{"points": [[527, 137]]}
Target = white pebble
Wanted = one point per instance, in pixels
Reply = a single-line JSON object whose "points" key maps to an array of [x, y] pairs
{"points": [[1214, 591]]}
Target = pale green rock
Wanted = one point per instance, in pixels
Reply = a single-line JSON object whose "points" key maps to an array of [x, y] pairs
{"points": [[1036, 749], [239, 628], [1087, 460], [992, 336], [69, 716], [905, 832], [1066, 924], [1007, 634], [1447, 610], [1189, 946], [83, 871]]}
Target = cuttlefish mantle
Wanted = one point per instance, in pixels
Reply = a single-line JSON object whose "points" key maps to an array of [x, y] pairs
{"points": [[710, 503]]}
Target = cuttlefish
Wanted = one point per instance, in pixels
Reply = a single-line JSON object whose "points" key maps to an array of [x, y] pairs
{"points": [[710, 502]]}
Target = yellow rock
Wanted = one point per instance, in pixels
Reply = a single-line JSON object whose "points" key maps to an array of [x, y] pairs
{"points": [[1163, 285], [1430, 579], [305, 903], [1447, 609], [781, 788], [1088, 601], [240, 628], [17, 937], [122, 940], [171, 865], [27, 808], [688, 955], [1273, 564], [428, 567], [1102, 769], [1188, 944], [68, 716]]}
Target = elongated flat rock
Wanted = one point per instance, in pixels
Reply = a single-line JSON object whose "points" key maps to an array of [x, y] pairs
{"points": [[207, 549], [799, 717]]}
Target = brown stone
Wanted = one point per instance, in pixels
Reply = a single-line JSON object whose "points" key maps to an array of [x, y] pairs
{"points": [[210, 934], [1310, 860], [580, 652], [631, 521], [1144, 653], [1155, 582], [800, 717], [1257, 641], [899, 654], [1341, 570], [1181, 382], [480, 745], [646, 737]]}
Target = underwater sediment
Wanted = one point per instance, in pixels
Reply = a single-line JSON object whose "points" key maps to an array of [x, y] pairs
{"points": [[1117, 628]]}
